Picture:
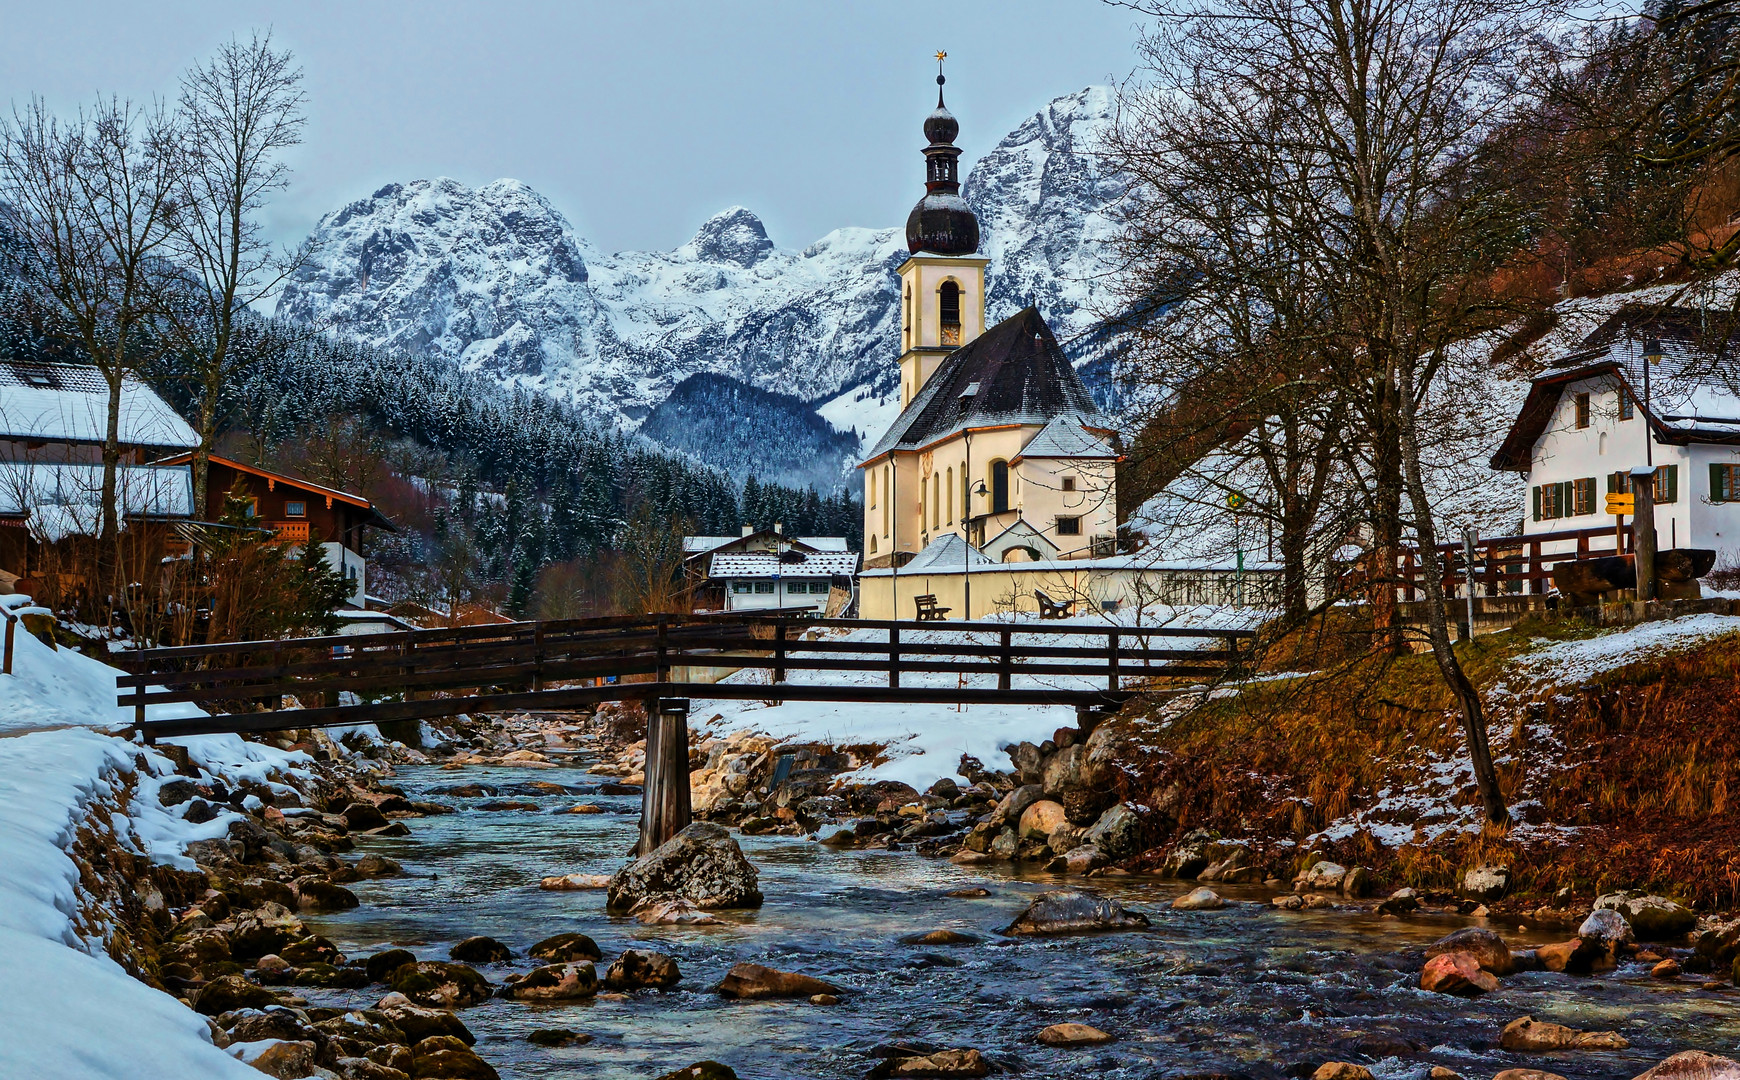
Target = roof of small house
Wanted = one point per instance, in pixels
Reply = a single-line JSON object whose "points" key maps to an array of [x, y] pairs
{"points": [[1693, 392], [1013, 373], [59, 402], [700, 545], [795, 564], [372, 516], [947, 553], [64, 499]]}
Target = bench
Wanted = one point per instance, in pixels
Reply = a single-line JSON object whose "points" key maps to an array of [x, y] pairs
{"points": [[1051, 609], [928, 611]]}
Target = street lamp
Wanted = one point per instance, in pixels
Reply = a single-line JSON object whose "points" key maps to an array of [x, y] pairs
{"points": [[1651, 357], [967, 556]]}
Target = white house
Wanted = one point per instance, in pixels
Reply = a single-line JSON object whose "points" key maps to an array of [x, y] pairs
{"points": [[767, 569], [1650, 387]]}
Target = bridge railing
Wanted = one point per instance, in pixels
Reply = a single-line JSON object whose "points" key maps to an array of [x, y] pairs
{"points": [[423, 674]]}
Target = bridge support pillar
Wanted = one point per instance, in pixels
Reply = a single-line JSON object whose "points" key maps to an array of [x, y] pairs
{"points": [[664, 807]]}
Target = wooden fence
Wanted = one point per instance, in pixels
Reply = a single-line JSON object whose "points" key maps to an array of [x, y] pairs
{"points": [[1510, 565], [421, 674]]}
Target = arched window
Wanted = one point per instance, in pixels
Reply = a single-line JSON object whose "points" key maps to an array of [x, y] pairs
{"points": [[949, 309], [951, 490], [935, 500], [872, 543], [999, 486], [885, 500]]}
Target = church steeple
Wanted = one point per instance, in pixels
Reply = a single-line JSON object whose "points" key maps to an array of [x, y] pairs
{"points": [[942, 223]]}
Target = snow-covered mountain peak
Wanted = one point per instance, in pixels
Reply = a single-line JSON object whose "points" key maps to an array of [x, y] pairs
{"points": [[733, 236]]}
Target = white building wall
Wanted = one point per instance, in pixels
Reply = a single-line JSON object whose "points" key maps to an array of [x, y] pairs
{"points": [[353, 566]]}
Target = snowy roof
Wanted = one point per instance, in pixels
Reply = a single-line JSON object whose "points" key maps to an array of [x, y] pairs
{"points": [[1013, 373], [1139, 561], [1066, 437], [1691, 390], [62, 499], [53, 402], [947, 552], [696, 545], [767, 564]]}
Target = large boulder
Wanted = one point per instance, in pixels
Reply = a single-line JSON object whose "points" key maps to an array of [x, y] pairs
{"points": [[939, 1063], [1456, 973], [318, 895], [285, 1060], [481, 950], [419, 1022], [562, 948], [1652, 918], [701, 865], [1322, 876], [748, 981], [382, 964], [265, 929], [1608, 929], [230, 992], [1693, 1065], [449, 1059], [1040, 819], [557, 982], [1070, 911], [1203, 899], [1487, 948], [1118, 833], [1070, 1035], [1526, 1034], [1486, 883], [1014, 804], [636, 968], [433, 983]]}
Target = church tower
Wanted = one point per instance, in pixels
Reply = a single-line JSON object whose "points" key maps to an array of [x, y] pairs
{"points": [[942, 282]]}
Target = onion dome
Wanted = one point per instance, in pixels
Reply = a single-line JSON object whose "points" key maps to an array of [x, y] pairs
{"points": [[942, 223]]}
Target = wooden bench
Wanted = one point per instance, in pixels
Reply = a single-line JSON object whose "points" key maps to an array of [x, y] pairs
{"points": [[928, 611], [1051, 609]]}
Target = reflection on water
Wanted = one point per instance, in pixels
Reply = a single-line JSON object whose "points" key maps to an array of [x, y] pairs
{"points": [[1246, 989]]}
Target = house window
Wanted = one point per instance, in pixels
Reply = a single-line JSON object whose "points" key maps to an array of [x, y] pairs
{"points": [[999, 486], [1550, 500], [1582, 411], [764, 587], [1724, 483], [741, 587], [1625, 403], [1069, 526], [1069, 483], [1583, 496], [1667, 484], [295, 509], [818, 587], [253, 509]]}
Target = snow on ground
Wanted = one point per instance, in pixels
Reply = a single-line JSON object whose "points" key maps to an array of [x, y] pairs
{"points": [[66, 1008], [925, 742], [1569, 662]]}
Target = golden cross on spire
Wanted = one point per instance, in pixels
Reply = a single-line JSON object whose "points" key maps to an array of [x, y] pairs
{"points": [[940, 57]]}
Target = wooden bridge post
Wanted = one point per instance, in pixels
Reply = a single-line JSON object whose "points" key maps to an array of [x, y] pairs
{"points": [[1112, 661], [779, 651], [664, 800], [1006, 662], [11, 633], [894, 656]]}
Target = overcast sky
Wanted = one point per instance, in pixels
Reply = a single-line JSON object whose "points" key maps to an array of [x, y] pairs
{"points": [[637, 120]]}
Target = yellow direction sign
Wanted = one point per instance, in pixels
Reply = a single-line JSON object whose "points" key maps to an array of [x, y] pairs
{"points": [[1621, 503]]}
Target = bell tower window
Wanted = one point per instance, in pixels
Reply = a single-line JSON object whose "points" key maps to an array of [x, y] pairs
{"points": [[949, 309]]}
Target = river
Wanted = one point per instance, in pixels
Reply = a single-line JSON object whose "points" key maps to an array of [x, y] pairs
{"points": [[1244, 990]]}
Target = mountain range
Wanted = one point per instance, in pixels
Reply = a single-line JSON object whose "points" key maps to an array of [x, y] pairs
{"points": [[494, 280]]}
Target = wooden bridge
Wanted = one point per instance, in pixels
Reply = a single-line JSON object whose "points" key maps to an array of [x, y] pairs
{"points": [[423, 674]]}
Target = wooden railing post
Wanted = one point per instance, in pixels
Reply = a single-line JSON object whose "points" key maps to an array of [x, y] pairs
{"points": [[894, 656], [664, 805], [1534, 580], [11, 633], [661, 648], [1112, 661], [1006, 661], [779, 651]]}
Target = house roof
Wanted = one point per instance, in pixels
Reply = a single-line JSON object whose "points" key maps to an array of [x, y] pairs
{"points": [[700, 545], [1013, 373], [373, 516], [946, 553], [1692, 391], [64, 499], [58, 402], [1066, 437], [752, 564]]}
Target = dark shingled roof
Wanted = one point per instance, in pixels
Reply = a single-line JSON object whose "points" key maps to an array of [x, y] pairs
{"points": [[1022, 377]]}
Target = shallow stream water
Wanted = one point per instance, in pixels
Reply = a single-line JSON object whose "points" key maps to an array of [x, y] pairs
{"points": [[1245, 990]]}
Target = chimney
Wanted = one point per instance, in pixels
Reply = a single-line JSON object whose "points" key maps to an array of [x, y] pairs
{"points": [[748, 530], [778, 529]]}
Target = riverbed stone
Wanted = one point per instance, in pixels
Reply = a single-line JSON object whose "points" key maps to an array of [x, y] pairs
{"points": [[702, 1070], [481, 950], [1608, 929], [440, 1057], [1070, 1036], [363, 815], [230, 992], [1400, 902], [1072, 911], [312, 950], [1579, 956], [1526, 1034], [383, 964], [1526, 1074], [1322, 876], [701, 865], [562, 948], [377, 866], [1652, 918], [1456, 973], [265, 929], [750, 981], [361, 1068], [1118, 833], [318, 895], [284, 1059], [1487, 948], [259, 1025], [557, 1037], [941, 1063], [1665, 969], [437, 984], [557, 982], [672, 913], [636, 969], [1486, 883], [1203, 899], [1341, 1070], [419, 1022], [940, 937], [1039, 819], [574, 882], [1693, 1065]]}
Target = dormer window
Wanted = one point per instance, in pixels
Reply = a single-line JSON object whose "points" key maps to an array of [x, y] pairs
{"points": [[949, 307]]}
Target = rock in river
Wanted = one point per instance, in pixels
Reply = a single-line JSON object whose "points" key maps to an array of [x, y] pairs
{"points": [[1073, 1035], [574, 882], [439, 985], [481, 950], [1486, 883], [1487, 948], [418, 1022], [755, 981], [1653, 918], [1456, 973], [636, 968], [1525, 1033], [557, 982], [565, 947], [1199, 900], [1694, 1065], [449, 1058], [1069, 911], [939, 1063], [702, 1070], [701, 865], [229, 992]]}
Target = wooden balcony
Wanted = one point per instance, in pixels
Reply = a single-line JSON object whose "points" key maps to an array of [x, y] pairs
{"points": [[294, 531]]}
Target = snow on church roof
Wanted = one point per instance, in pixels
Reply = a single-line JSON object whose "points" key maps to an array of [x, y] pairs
{"points": [[947, 552], [51, 402]]}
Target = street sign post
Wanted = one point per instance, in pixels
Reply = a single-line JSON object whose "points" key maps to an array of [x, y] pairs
{"points": [[1621, 502]]}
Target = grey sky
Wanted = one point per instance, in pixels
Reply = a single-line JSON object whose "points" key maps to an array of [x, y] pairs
{"points": [[637, 120]]}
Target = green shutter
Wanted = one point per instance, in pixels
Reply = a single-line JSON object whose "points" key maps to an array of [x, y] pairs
{"points": [[1673, 483], [1537, 502], [1718, 484], [1589, 486], [1567, 492]]}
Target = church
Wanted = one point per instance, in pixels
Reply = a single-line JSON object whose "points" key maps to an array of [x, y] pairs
{"points": [[999, 455]]}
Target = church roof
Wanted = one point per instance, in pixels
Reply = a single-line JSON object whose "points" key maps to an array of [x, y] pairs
{"points": [[1065, 437], [1013, 373], [947, 552]]}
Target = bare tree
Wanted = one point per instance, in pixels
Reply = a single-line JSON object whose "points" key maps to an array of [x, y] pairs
{"points": [[95, 201], [239, 113]]}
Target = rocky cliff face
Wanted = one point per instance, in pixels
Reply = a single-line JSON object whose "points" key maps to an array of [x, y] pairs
{"points": [[495, 280]]}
